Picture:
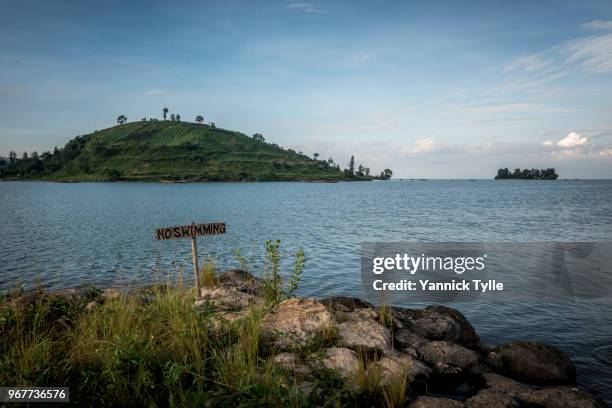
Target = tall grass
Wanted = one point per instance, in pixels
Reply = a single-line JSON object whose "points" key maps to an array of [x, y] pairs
{"points": [[153, 347], [150, 349]]}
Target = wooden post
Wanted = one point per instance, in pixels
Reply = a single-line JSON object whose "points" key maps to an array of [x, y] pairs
{"points": [[191, 231], [194, 253]]}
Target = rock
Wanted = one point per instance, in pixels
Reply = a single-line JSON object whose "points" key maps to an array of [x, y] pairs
{"points": [[560, 397], [490, 398], [505, 384], [227, 298], [443, 354], [447, 369], [439, 323], [533, 362], [295, 322], [408, 341], [346, 304], [361, 331], [398, 366], [109, 294], [431, 402], [91, 306], [292, 363], [342, 360], [542, 397], [241, 281], [286, 360]]}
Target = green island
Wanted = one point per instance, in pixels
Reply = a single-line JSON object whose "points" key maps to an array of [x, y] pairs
{"points": [[527, 174], [176, 151]]}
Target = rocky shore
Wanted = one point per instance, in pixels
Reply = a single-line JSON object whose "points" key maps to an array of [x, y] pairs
{"points": [[435, 352], [234, 346]]}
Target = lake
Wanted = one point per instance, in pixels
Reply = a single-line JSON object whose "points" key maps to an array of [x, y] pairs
{"points": [[64, 235]]}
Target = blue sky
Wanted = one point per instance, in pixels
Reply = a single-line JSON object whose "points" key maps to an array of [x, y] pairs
{"points": [[429, 89]]}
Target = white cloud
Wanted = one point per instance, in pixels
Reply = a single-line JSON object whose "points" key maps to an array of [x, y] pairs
{"points": [[548, 143], [305, 7], [593, 53], [606, 152], [598, 25], [573, 140], [424, 146], [527, 63]]}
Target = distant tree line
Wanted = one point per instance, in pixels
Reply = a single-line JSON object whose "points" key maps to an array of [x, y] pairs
{"points": [[35, 165], [526, 174], [362, 172]]}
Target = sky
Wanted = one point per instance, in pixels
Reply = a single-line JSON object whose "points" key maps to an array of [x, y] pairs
{"points": [[430, 89]]}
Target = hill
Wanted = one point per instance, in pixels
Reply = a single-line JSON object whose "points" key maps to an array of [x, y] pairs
{"points": [[173, 151]]}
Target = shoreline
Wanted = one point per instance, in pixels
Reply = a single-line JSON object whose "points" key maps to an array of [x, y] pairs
{"points": [[433, 356]]}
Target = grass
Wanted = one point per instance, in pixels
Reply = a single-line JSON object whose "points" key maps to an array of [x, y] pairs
{"points": [[171, 151], [152, 347], [132, 352], [207, 274]]}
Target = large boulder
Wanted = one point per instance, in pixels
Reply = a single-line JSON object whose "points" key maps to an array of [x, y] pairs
{"points": [[433, 402], [490, 398], [295, 322], [442, 354], [438, 323], [560, 397], [109, 294], [361, 331], [408, 341], [291, 363], [532, 362], [541, 397], [227, 299], [342, 360], [346, 304], [505, 384], [288, 361], [398, 366], [241, 281]]}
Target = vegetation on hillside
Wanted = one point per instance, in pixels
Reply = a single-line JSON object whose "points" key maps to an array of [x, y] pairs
{"points": [[153, 150], [526, 174]]}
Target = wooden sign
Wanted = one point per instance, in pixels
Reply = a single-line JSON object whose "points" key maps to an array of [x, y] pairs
{"points": [[190, 231]]}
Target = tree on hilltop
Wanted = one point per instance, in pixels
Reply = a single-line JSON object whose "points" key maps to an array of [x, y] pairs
{"points": [[121, 119], [199, 119], [165, 112]]}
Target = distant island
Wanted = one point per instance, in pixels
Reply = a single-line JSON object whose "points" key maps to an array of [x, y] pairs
{"points": [[526, 174], [177, 151]]}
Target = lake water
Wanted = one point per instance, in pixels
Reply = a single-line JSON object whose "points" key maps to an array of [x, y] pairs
{"points": [[68, 234]]}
